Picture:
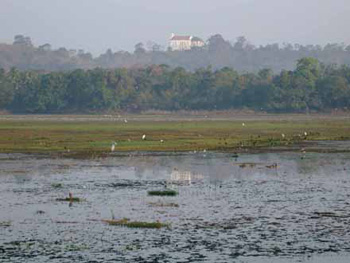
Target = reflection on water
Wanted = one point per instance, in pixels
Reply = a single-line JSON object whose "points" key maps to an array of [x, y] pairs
{"points": [[255, 208]]}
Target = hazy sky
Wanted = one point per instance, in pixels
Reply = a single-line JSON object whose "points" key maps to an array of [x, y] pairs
{"points": [[95, 25]]}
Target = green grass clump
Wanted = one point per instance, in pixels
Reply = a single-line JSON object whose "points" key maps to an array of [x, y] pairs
{"points": [[163, 193], [136, 224], [5, 224], [68, 199]]}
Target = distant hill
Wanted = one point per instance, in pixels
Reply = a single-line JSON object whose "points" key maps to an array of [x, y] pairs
{"points": [[217, 53]]}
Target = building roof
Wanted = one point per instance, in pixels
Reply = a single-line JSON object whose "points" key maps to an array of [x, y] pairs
{"points": [[180, 37]]}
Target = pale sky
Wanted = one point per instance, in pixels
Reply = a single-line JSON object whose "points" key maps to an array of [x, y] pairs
{"points": [[95, 25]]}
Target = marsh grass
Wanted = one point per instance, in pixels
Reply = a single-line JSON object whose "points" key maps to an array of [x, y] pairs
{"points": [[135, 224], [163, 193], [90, 139]]}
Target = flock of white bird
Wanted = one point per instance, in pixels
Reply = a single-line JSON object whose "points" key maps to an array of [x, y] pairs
{"points": [[144, 138], [114, 143]]}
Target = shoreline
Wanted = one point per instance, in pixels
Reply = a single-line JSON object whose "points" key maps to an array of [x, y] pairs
{"points": [[234, 153]]}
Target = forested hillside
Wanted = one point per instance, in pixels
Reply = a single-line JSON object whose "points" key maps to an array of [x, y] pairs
{"points": [[218, 53], [311, 86]]}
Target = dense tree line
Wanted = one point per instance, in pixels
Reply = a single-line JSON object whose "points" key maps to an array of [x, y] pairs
{"points": [[312, 86], [217, 53]]}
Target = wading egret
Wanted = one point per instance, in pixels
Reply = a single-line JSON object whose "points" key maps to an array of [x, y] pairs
{"points": [[113, 146]]}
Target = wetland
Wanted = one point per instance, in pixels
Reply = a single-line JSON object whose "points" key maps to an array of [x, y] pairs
{"points": [[268, 202]]}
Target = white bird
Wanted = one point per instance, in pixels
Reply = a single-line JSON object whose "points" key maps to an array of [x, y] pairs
{"points": [[126, 121], [283, 136], [161, 141], [144, 137], [305, 133], [243, 124], [113, 146]]}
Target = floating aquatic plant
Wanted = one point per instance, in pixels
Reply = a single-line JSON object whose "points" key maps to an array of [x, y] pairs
{"points": [[164, 204], [272, 166], [68, 199], [245, 165], [163, 193], [135, 224], [5, 224], [132, 247]]}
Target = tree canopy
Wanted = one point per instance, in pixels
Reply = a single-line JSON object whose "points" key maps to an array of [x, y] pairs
{"points": [[311, 86]]}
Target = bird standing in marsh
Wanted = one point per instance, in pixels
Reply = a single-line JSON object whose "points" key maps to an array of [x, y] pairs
{"points": [[113, 146]]}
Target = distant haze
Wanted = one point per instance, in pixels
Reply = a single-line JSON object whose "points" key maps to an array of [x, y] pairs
{"points": [[96, 25]]}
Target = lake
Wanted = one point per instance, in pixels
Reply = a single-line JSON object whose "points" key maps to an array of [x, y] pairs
{"points": [[268, 207]]}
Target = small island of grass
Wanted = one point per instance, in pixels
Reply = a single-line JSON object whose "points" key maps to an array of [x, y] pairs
{"points": [[163, 193], [135, 224]]}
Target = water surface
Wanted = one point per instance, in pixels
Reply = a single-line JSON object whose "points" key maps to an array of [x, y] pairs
{"points": [[241, 209]]}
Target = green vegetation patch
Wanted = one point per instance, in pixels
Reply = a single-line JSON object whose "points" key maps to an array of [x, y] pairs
{"points": [[163, 193], [5, 224], [135, 224], [69, 199], [83, 139]]}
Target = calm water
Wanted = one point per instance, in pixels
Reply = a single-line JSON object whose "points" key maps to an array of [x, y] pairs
{"points": [[234, 210]]}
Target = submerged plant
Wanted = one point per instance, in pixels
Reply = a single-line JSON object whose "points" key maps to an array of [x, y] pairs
{"points": [[163, 193], [75, 247], [57, 185], [132, 247], [146, 225]]}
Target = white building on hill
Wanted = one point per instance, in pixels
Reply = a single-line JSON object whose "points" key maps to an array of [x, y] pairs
{"points": [[177, 42]]}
